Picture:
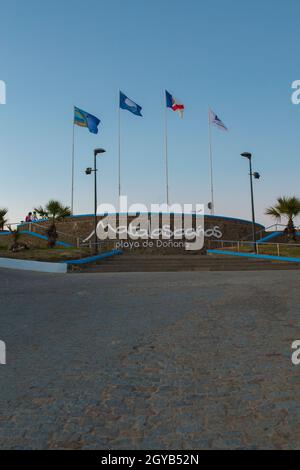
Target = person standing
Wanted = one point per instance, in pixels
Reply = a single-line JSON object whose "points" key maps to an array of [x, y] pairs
{"points": [[28, 217]]}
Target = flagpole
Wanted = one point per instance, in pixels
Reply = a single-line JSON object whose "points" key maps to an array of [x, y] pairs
{"points": [[211, 165], [119, 146], [73, 168], [166, 156]]}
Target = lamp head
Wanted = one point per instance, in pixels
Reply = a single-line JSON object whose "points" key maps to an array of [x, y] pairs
{"points": [[98, 151], [246, 155], [88, 171]]}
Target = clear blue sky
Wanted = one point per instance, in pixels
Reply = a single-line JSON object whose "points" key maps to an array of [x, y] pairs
{"points": [[238, 57]]}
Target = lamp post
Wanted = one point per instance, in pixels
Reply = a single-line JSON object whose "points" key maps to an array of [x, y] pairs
{"points": [[256, 176], [89, 171]]}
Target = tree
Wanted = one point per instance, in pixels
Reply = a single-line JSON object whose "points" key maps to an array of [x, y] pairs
{"points": [[16, 246], [55, 211], [3, 220], [288, 207], [42, 212]]}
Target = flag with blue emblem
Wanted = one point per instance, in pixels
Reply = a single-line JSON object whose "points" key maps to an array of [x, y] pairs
{"points": [[84, 119], [129, 105], [214, 119]]}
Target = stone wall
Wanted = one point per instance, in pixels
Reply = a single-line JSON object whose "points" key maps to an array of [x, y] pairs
{"points": [[31, 241], [221, 228]]}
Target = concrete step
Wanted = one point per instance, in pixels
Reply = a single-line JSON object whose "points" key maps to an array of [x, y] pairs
{"points": [[136, 263], [201, 262], [191, 262], [195, 263], [186, 260], [115, 269]]}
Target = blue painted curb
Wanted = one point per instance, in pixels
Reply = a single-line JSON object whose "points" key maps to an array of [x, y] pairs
{"points": [[252, 255], [43, 237], [92, 259], [268, 237], [274, 235], [37, 235]]}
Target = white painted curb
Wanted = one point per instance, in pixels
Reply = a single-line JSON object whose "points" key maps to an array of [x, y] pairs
{"points": [[39, 266]]}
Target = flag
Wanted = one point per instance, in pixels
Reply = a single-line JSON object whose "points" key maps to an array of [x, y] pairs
{"points": [[214, 119], [129, 105], [173, 104], [84, 119]]}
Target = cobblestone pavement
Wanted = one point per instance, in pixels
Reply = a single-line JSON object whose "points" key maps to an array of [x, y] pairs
{"points": [[150, 361]]}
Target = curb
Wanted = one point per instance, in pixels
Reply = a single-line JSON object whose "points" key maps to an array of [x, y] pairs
{"points": [[252, 255], [38, 266]]}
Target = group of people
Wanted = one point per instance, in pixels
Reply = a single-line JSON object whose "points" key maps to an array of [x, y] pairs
{"points": [[31, 217]]}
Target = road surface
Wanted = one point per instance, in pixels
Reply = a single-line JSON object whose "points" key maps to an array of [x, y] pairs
{"points": [[149, 360]]}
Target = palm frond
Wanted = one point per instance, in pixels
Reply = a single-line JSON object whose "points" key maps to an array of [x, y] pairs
{"points": [[3, 219], [288, 207], [273, 212], [41, 211]]}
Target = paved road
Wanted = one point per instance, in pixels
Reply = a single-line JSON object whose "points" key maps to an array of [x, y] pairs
{"points": [[151, 361]]}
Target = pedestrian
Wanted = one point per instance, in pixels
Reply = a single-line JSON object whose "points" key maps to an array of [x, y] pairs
{"points": [[28, 217]]}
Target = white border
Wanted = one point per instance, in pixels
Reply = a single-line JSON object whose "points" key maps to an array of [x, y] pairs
{"points": [[25, 265]]}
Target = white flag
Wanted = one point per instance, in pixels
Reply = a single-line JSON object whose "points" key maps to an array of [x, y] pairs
{"points": [[214, 119]]}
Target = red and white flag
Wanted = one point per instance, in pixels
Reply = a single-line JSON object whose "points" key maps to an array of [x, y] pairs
{"points": [[174, 104]]}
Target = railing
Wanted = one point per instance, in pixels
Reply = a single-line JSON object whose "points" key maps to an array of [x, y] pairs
{"points": [[72, 239], [11, 225], [101, 245], [78, 242], [37, 227], [272, 228], [277, 249]]}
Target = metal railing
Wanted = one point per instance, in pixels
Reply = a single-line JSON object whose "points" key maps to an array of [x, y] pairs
{"points": [[271, 228], [38, 228], [79, 242], [277, 249], [67, 237], [11, 225]]}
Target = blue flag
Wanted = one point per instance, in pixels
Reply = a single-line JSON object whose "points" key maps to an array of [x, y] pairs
{"points": [[84, 119], [129, 105]]}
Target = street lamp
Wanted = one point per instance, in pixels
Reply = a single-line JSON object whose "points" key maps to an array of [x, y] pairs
{"points": [[256, 175], [89, 171]]}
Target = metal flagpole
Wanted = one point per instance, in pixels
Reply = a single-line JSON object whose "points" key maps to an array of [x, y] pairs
{"points": [[166, 156], [73, 168], [119, 153], [212, 211]]}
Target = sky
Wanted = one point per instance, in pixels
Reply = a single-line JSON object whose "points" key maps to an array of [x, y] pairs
{"points": [[239, 58]]}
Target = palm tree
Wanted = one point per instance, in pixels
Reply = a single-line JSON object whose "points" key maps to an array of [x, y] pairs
{"points": [[16, 245], [3, 220], [288, 207], [55, 211], [42, 212]]}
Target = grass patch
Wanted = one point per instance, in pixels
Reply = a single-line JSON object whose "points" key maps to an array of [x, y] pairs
{"points": [[45, 254], [288, 251], [265, 249]]}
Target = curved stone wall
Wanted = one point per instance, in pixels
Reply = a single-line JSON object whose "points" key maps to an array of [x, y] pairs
{"points": [[216, 228]]}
